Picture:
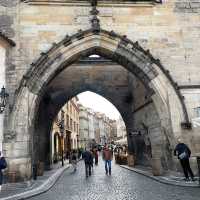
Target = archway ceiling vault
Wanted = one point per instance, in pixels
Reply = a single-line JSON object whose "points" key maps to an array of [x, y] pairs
{"points": [[100, 79]]}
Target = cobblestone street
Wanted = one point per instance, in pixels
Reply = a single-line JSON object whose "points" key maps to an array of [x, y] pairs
{"points": [[122, 185]]}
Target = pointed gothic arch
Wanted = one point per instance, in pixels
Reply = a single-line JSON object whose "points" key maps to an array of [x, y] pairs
{"points": [[110, 45]]}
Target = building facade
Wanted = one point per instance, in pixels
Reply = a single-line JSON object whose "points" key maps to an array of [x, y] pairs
{"points": [[65, 130], [95, 127], [121, 132], [84, 126]]}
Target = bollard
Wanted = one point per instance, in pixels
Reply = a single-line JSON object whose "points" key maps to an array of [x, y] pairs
{"points": [[198, 164], [34, 171]]}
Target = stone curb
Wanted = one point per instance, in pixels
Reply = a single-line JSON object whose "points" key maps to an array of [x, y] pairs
{"points": [[47, 185], [159, 179]]}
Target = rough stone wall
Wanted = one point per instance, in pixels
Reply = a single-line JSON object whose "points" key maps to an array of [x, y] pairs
{"points": [[187, 6], [9, 26], [149, 136], [168, 30], [171, 36]]}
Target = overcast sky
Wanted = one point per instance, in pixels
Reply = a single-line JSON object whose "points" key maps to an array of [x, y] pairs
{"points": [[99, 104]]}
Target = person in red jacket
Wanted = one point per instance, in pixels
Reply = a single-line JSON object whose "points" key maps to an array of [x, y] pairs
{"points": [[107, 157]]}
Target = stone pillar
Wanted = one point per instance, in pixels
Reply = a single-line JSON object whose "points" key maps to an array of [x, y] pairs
{"points": [[156, 166], [156, 137]]}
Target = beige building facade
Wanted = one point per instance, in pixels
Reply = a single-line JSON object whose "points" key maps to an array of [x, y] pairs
{"points": [[153, 47], [121, 132], [65, 130], [95, 127]]}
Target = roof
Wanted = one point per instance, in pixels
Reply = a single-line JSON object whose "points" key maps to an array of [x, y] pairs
{"points": [[9, 41]]}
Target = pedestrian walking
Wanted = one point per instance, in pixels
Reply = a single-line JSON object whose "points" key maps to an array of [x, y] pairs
{"points": [[74, 160], [88, 159], [95, 152], [107, 157], [3, 165], [183, 152], [92, 163]]}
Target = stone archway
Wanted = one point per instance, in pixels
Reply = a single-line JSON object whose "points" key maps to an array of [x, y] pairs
{"points": [[107, 44]]}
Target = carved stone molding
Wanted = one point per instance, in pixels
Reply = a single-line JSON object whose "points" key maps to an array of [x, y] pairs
{"points": [[123, 3]]}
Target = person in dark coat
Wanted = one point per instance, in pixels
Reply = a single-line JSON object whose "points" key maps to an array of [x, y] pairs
{"points": [[95, 156], [88, 159], [3, 165], [183, 152]]}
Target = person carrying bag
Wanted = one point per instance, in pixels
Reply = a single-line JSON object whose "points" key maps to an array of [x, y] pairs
{"points": [[183, 152], [3, 165]]}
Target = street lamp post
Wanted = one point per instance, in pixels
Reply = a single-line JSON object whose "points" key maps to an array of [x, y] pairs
{"points": [[3, 102], [61, 126], [77, 141]]}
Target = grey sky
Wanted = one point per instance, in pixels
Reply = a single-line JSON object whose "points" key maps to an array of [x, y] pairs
{"points": [[98, 103]]}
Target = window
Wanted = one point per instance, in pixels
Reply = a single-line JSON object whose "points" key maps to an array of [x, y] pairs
{"points": [[62, 115], [70, 109], [74, 127], [71, 124], [67, 121]]}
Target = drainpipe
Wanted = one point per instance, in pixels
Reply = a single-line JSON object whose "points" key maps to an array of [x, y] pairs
{"points": [[2, 83]]}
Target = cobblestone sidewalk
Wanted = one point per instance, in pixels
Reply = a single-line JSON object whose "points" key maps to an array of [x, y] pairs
{"points": [[19, 190], [170, 179], [123, 184]]}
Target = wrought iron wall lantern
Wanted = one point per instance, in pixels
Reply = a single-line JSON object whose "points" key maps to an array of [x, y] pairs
{"points": [[3, 99], [62, 130]]}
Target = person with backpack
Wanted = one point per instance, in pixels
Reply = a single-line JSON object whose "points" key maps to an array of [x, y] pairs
{"points": [[3, 165], [183, 152]]}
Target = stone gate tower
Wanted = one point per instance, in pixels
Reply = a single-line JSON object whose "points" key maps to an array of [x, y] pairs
{"points": [[156, 42]]}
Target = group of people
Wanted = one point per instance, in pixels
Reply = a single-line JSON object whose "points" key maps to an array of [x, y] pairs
{"points": [[90, 156], [88, 159], [181, 150]]}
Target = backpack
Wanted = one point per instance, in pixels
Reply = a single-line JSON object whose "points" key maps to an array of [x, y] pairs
{"points": [[3, 163]]}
